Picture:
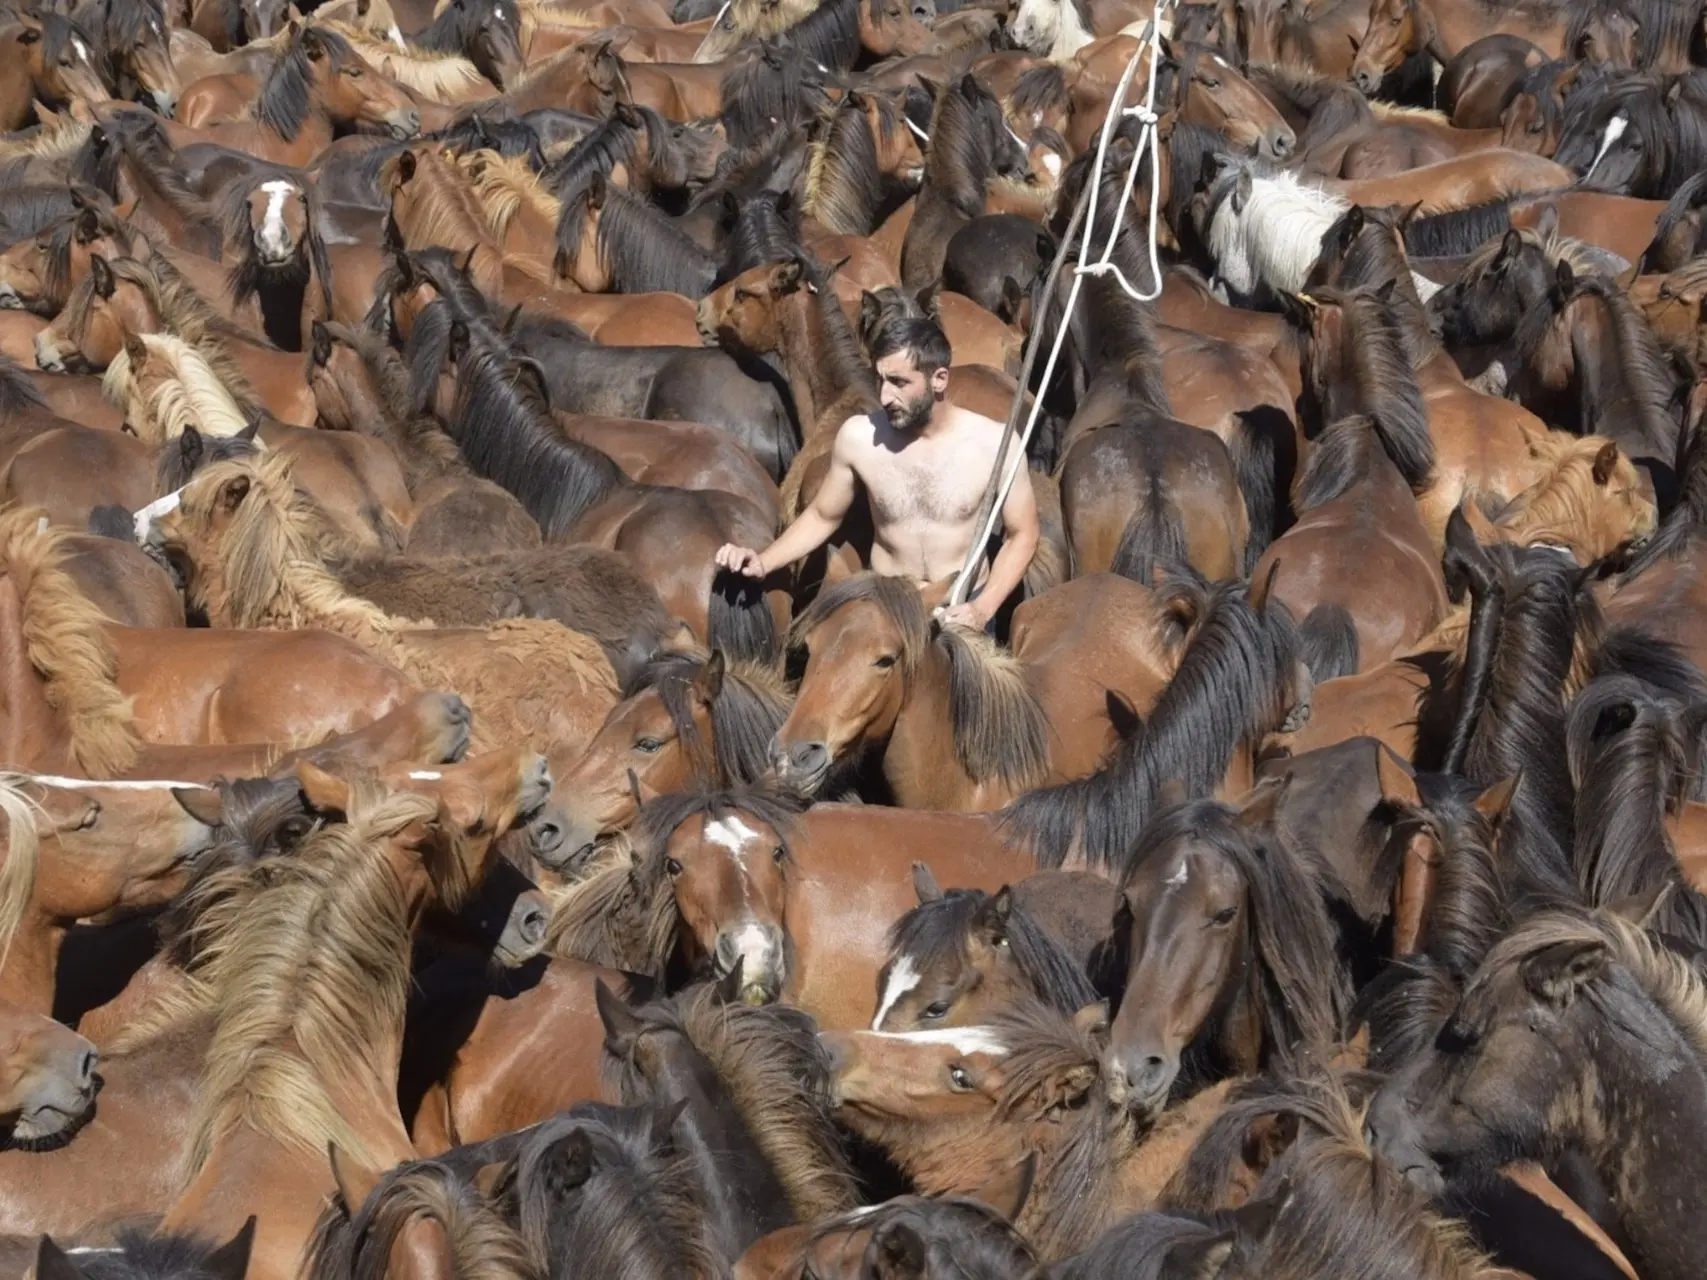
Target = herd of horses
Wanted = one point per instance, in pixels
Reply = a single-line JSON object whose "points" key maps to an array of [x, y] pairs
{"points": [[422, 861]]}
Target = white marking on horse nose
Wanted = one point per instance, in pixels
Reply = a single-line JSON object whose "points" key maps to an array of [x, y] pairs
{"points": [[271, 236], [903, 977], [425, 775]]}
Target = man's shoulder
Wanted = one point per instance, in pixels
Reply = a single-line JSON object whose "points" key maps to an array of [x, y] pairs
{"points": [[861, 429]]}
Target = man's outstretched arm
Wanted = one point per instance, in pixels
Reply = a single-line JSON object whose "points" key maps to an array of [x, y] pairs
{"points": [[811, 529]]}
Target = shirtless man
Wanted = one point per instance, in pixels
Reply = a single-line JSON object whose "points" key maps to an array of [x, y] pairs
{"points": [[924, 471]]}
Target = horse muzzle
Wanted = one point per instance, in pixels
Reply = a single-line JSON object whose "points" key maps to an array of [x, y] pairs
{"points": [[757, 950], [802, 766], [1139, 1082]]}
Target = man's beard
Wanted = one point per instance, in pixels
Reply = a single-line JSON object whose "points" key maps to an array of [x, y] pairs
{"points": [[915, 415]]}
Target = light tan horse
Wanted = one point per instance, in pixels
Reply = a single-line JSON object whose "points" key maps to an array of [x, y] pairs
{"points": [[310, 976], [252, 548]]}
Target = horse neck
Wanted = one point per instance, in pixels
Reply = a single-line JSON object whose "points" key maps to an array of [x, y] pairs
{"points": [[953, 1159], [744, 1198], [1612, 401], [919, 762], [31, 734], [27, 975], [957, 184], [821, 368], [1647, 1112]]}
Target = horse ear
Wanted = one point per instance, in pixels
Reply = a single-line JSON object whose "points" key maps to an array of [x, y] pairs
{"points": [[596, 193], [1354, 222], [52, 1263], [232, 493], [969, 88], [1385, 292], [664, 1121], [709, 682], [251, 429], [312, 46], [1008, 1193], [405, 166], [1556, 974], [324, 791], [1258, 807], [896, 1252], [572, 1160], [354, 1181], [1408, 215], [930, 299], [101, 272], [728, 987], [1298, 309], [1564, 278], [925, 887], [1495, 800], [1605, 462], [1641, 908], [231, 1260], [994, 914], [322, 344], [1012, 299], [1398, 785], [869, 310], [617, 1018], [136, 351], [1510, 245], [205, 804], [190, 448], [786, 277], [88, 225], [1200, 1258]]}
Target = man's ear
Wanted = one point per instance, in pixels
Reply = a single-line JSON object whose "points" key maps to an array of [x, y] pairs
{"points": [[939, 382]]}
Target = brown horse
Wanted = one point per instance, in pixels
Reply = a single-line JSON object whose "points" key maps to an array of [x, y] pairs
{"points": [[126, 298], [721, 878], [684, 722], [281, 1082], [1353, 496], [47, 57], [1441, 28], [38, 273], [241, 536], [79, 849], [360, 385], [880, 677], [317, 84]]}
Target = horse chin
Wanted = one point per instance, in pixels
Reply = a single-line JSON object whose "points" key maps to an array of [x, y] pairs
{"points": [[758, 993], [9, 299]]}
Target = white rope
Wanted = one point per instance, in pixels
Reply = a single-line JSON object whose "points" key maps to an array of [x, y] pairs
{"points": [[1146, 115], [706, 38]]}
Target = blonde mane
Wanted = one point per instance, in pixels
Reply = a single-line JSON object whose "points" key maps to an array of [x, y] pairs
{"points": [[443, 208], [503, 185], [192, 395], [23, 852], [66, 639], [59, 135], [448, 78], [1567, 507], [268, 569], [312, 976]]}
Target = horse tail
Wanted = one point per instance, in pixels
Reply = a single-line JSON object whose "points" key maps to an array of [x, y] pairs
{"points": [[1154, 537], [1327, 643], [1255, 464], [740, 621]]}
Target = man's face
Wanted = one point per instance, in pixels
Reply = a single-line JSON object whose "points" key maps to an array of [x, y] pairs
{"points": [[906, 394]]}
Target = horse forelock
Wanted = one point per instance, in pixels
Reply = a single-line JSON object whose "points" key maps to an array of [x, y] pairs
{"points": [[898, 600], [1000, 728]]}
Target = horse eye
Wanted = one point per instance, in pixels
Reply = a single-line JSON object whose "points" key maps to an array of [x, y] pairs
{"points": [[91, 817], [355, 73], [779, 855], [937, 1010], [672, 866], [648, 746], [885, 662], [1534, 126], [743, 295], [959, 1079], [1224, 916]]}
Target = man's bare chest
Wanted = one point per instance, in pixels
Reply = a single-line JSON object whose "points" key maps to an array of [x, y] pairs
{"points": [[938, 486]]}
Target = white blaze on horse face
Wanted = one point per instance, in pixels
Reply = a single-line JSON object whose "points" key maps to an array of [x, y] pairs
{"points": [[82, 49], [962, 1039], [903, 977], [159, 507], [918, 133], [424, 775], [732, 834], [761, 955], [397, 38], [1614, 130], [1180, 875], [272, 238]]}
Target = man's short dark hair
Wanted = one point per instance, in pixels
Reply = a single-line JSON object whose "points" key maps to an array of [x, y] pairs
{"points": [[920, 337]]}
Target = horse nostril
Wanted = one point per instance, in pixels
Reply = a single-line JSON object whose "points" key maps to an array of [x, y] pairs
{"points": [[548, 837], [86, 1066], [532, 925]]}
